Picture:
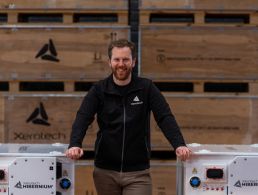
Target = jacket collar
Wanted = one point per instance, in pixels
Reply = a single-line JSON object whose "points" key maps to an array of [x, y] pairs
{"points": [[111, 89]]}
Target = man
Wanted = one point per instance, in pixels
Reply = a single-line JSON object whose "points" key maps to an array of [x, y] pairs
{"points": [[123, 103]]}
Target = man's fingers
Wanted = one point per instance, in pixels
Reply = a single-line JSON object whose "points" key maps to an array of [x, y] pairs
{"points": [[74, 153], [183, 153]]}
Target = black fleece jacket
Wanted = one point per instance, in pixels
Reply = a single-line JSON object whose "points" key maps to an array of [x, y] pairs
{"points": [[123, 139]]}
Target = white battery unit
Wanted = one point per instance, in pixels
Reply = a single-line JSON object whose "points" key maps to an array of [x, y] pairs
{"points": [[35, 169], [219, 170]]}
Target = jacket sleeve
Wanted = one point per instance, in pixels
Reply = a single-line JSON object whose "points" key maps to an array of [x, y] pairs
{"points": [[84, 117], [164, 118]]}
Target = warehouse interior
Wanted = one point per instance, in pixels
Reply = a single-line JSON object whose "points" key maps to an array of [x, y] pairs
{"points": [[202, 55]]}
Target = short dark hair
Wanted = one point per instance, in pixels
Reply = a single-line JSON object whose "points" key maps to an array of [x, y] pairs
{"points": [[122, 43]]}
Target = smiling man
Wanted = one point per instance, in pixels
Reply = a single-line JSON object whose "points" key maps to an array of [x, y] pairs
{"points": [[122, 103]]}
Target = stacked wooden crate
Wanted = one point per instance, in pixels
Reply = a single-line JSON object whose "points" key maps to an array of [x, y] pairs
{"points": [[62, 40], [203, 56], [51, 53], [207, 48]]}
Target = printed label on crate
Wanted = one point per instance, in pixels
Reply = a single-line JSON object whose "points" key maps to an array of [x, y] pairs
{"points": [[42, 119]]}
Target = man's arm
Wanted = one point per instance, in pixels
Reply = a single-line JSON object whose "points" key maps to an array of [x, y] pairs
{"points": [[167, 122], [84, 118]]}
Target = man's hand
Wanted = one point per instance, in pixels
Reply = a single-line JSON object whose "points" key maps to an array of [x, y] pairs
{"points": [[74, 153], [183, 152]]}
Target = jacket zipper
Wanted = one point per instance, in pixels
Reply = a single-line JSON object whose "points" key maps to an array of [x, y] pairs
{"points": [[123, 144], [147, 147]]}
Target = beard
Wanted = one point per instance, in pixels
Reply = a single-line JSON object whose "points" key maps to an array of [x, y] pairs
{"points": [[122, 73]]}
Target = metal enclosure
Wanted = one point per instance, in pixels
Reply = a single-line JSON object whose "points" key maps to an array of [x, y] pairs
{"points": [[219, 170], [35, 169]]}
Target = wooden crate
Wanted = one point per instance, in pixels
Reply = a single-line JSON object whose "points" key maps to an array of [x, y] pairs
{"points": [[63, 4], [42, 118], [170, 52], [77, 52], [211, 119], [163, 175], [200, 4], [84, 183], [205, 119]]}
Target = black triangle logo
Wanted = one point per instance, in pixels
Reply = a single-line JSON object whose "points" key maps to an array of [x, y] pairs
{"points": [[39, 116], [18, 185], [238, 184], [48, 52]]}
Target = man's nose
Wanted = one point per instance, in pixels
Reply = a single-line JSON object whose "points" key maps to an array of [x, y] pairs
{"points": [[121, 62]]}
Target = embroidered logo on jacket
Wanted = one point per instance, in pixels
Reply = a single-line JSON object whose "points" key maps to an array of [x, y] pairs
{"points": [[136, 101]]}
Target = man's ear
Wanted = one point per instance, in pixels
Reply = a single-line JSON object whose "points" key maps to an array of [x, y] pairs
{"points": [[109, 62]]}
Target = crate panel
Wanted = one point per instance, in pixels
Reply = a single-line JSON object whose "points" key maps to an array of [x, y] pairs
{"points": [[164, 4], [200, 4], [56, 53], [211, 120], [163, 175], [43, 118], [63, 4], [199, 53]]}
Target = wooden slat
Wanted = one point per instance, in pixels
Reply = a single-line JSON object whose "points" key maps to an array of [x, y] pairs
{"points": [[199, 53], [63, 4], [212, 120], [164, 4], [200, 4], [82, 52], [225, 4]]}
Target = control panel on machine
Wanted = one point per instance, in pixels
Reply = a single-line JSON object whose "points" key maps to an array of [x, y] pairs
{"points": [[208, 179], [230, 172]]}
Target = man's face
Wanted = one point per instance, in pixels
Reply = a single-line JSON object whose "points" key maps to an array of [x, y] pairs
{"points": [[121, 63]]}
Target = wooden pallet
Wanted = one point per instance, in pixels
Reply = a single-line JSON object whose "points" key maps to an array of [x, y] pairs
{"points": [[198, 17], [67, 17], [45, 86], [200, 4], [63, 4], [173, 86], [201, 53], [56, 53]]}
